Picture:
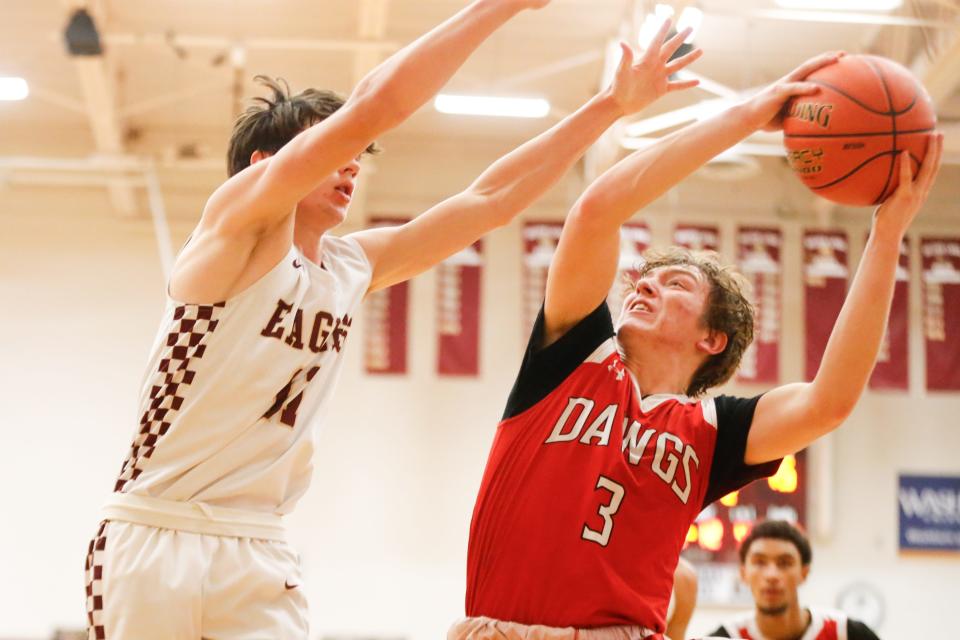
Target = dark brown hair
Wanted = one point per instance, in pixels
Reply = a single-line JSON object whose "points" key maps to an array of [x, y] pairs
{"points": [[272, 122], [727, 311], [778, 530]]}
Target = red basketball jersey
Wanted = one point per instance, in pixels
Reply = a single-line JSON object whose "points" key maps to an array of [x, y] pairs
{"points": [[590, 489], [824, 625]]}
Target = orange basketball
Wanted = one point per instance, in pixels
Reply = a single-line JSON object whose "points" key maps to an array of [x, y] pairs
{"points": [[843, 141]]}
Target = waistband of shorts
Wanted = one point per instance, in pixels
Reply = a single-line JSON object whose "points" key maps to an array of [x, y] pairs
{"points": [[484, 628], [195, 517]]}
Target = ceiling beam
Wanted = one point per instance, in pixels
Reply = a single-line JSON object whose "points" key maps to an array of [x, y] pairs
{"points": [[99, 98], [165, 40], [942, 75], [371, 27], [843, 17], [525, 78], [372, 19]]}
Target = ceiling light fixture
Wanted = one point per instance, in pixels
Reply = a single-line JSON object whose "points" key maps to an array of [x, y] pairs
{"points": [[13, 88], [492, 106]]}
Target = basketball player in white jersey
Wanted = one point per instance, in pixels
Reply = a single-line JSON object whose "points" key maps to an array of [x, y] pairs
{"points": [[261, 303]]}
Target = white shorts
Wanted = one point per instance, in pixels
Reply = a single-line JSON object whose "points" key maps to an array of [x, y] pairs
{"points": [[482, 628], [147, 582]]}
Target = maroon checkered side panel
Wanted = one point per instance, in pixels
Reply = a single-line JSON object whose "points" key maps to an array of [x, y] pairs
{"points": [[192, 324], [94, 572]]}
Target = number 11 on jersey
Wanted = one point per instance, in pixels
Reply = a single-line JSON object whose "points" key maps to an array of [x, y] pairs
{"points": [[606, 511]]}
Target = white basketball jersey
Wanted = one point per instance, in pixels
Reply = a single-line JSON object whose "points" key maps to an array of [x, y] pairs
{"points": [[234, 390], [825, 624]]}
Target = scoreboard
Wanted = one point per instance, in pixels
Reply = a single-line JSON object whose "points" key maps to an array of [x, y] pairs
{"points": [[718, 530], [712, 541]]}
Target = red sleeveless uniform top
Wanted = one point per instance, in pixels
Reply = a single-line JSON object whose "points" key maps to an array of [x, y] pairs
{"points": [[590, 489]]}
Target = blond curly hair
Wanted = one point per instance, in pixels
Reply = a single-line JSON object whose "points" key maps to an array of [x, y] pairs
{"points": [[727, 311]]}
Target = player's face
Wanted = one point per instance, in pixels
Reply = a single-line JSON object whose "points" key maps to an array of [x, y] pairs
{"points": [[773, 571], [666, 304], [331, 199]]}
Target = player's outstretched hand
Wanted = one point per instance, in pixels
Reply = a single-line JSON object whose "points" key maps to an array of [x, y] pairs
{"points": [[767, 107], [640, 82], [897, 212]]}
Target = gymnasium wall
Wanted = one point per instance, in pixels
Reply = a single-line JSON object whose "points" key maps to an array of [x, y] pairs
{"points": [[383, 530]]}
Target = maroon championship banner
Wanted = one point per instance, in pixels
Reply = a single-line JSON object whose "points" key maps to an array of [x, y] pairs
{"points": [[458, 312], [697, 237], [941, 311], [385, 322], [539, 244], [634, 240], [892, 368], [758, 255], [825, 274]]}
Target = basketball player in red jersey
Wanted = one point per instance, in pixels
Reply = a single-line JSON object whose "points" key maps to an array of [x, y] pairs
{"points": [[259, 308], [608, 449], [774, 561]]}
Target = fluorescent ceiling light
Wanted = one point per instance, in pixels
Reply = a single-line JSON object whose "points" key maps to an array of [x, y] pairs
{"points": [[699, 111], [691, 17], [492, 106], [841, 5], [13, 89]]}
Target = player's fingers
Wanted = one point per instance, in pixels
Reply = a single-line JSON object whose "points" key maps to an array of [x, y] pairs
{"points": [[799, 88], [626, 59], [672, 45], [684, 61], [657, 43], [931, 162], [906, 170], [813, 64], [682, 84]]}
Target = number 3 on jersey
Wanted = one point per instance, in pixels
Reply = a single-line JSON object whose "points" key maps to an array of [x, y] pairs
{"points": [[606, 511]]}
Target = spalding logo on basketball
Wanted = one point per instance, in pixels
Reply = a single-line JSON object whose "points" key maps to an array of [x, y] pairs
{"points": [[843, 141]]}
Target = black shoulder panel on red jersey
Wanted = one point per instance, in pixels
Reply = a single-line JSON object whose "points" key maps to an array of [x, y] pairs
{"points": [[729, 472], [720, 632], [543, 370], [856, 630]]}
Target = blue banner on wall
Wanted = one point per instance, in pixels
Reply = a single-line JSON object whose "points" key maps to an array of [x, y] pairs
{"points": [[929, 513]]}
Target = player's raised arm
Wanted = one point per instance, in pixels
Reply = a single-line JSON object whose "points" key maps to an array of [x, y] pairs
{"points": [[518, 179], [586, 261], [790, 417], [247, 224], [267, 192]]}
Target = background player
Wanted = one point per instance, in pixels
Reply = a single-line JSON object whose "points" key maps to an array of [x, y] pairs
{"points": [[603, 457], [261, 304], [774, 561]]}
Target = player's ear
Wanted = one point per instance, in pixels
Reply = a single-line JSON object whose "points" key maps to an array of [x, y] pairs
{"points": [[743, 573], [257, 156], [714, 342], [804, 572]]}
